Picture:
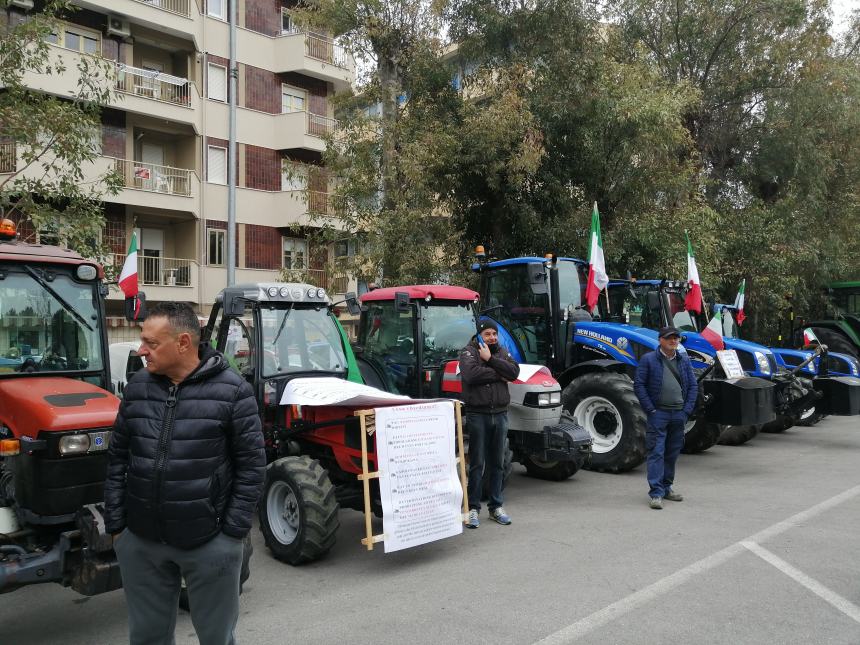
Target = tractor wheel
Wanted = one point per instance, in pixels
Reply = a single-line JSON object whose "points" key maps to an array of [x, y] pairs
{"points": [[836, 342], [507, 469], [699, 435], [736, 435], [781, 423], [604, 404], [247, 552], [554, 471], [298, 511], [809, 417]]}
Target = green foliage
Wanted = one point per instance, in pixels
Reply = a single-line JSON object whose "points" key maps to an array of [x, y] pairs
{"points": [[56, 139]]}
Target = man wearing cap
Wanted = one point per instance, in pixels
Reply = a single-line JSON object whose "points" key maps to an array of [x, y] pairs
{"points": [[485, 370], [667, 390]]}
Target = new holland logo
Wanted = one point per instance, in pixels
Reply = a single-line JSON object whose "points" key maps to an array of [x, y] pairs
{"points": [[593, 334], [622, 342]]}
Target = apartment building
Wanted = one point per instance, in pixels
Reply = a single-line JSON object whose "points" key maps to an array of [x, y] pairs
{"points": [[167, 135]]}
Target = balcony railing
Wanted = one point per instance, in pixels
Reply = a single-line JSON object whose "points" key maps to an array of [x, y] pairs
{"points": [[160, 272], [179, 7], [152, 84], [320, 126], [318, 203], [153, 177], [317, 46], [8, 157], [331, 282]]}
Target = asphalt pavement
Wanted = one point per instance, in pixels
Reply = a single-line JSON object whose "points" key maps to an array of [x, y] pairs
{"points": [[763, 550]]}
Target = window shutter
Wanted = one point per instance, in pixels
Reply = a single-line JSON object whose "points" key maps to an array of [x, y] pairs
{"points": [[217, 162], [217, 82]]}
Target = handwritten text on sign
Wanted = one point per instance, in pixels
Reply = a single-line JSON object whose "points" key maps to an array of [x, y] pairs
{"points": [[421, 493]]}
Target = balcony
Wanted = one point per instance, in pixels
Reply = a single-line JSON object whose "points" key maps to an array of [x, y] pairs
{"points": [[332, 282], [155, 178], [176, 17], [285, 131], [179, 7], [150, 92], [164, 278]]}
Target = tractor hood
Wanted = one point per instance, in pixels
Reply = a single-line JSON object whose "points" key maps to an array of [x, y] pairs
{"points": [[791, 358], [31, 405], [619, 340]]}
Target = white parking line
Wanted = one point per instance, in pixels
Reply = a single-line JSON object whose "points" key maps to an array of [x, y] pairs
{"points": [[627, 604], [842, 604]]}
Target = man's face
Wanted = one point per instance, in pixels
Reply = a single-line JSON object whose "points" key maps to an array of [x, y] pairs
{"points": [[490, 336], [159, 345], [669, 344]]}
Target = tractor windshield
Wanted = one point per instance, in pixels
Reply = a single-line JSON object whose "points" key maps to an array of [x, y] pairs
{"points": [[447, 327], [678, 315], [629, 304], [730, 326], [49, 323], [297, 339], [510, 299], [847, 299]]}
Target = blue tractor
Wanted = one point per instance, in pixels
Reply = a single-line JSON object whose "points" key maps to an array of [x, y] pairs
{"points": [[799, 387], [538, 304]]}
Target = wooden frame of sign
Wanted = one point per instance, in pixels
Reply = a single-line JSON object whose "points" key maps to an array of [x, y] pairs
{"points": [[368, 427]]}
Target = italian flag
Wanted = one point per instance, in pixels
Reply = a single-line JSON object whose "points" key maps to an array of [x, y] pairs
{"points": [[739, 303], [809, 337], [693, 301], [713, 333], [128, 276], [597, 278]]}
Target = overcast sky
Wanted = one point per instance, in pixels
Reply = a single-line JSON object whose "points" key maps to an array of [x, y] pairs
{"points": [[841, 9]]}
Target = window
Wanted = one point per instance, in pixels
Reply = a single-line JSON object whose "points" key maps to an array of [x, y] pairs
{"points": [[287, 24], [294, 177], [292, 99], [216, 8], [217, 165], [76, 38], [216, 244], [295, 252], [216, 82]]}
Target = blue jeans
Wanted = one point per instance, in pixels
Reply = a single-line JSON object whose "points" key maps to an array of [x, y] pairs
{"points": [[663, 441], [487, 434]]}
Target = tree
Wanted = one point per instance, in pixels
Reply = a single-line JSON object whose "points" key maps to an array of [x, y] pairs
{"points": [[49, 141]]}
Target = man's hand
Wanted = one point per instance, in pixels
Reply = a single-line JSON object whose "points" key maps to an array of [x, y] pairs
{"points": [[484, 352]]}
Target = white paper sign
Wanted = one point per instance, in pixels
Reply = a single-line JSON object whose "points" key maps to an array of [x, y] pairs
{"points": [[422, 497], [731, 363], [335, 391]]}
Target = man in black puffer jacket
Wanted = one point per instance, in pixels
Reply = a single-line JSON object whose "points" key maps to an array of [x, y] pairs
{"points": [[186, 468]]}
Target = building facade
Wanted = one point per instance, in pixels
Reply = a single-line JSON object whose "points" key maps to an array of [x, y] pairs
{"points": [[167, 136]]}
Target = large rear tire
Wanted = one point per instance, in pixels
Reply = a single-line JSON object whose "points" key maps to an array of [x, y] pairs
{"points": [[809, 417], [699, 435], [736, 435], [298, 512], [781, 423], [604, 404], [554, 471], [836, 342]]}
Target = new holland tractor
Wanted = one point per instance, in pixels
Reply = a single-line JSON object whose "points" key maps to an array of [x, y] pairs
{"points": [[409, 339], [795, 375], [538, 304]]}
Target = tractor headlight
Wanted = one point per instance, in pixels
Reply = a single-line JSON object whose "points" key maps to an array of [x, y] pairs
{"points": [[74, 444], [543, 399], [273, 292], [763, 364], [855, 370], [555, 398]]}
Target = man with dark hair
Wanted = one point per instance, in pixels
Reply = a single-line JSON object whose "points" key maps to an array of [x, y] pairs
{"points": [[185, 472], [666, 387], [485, 370]]}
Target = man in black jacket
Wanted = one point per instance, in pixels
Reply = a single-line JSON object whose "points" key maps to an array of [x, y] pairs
{"points": [[186, 467], [485, 370]]}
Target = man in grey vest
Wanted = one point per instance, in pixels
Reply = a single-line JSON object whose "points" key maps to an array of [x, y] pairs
{"points": [[666, 387]]}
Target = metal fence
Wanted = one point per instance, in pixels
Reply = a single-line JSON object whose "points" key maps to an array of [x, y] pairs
{"points": [[320, 126], [152, 84], [331, 282], [161, 272], [153, 177], [179, 7], [318, 203], [326, 50]]}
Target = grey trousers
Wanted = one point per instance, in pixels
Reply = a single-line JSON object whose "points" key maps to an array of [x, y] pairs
{"points": [[151, 578]]}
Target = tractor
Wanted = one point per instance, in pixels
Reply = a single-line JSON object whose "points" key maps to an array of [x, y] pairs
{"points": [[841, 332], [409, 339], [538, 304]]}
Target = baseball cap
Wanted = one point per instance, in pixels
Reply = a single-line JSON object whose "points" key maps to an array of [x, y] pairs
{"points": [[665, 332]]}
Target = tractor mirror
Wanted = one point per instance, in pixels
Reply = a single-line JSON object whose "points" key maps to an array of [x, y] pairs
{"points": [[234, 306], [352, 304], [135, 307], [401, 302], [653, 301], [537, 278]]}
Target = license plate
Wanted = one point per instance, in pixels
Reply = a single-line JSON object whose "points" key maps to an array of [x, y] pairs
{"points": [[99, 441]]}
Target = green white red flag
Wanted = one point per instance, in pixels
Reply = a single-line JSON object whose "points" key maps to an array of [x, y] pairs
{"points": [[809, 337], [597, 278], [740, 316], [693, 301], [713, 333], [128, 275]]}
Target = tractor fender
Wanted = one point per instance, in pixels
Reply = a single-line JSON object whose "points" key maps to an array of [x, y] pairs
{"points": [[600, 365]]}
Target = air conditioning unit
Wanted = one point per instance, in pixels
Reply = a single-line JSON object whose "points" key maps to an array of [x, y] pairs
{"points": [[116, 26], [21, 4]]}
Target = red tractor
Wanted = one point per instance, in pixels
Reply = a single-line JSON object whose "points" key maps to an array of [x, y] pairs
{"points": [[56, 412], [409, 339]]}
